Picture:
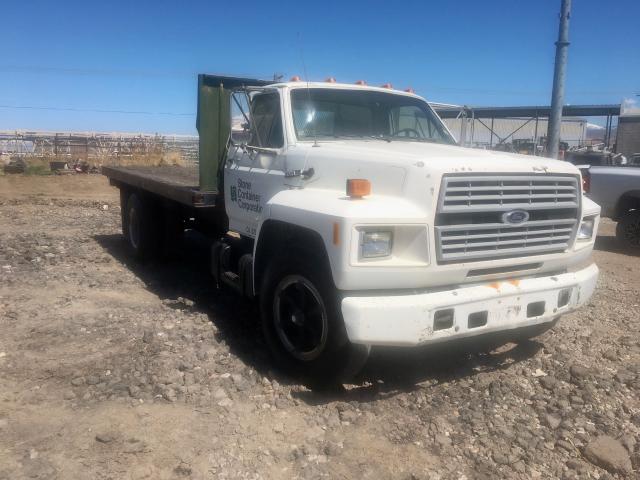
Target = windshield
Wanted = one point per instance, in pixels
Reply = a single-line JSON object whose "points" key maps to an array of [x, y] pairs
{"points": [[323, 113]]}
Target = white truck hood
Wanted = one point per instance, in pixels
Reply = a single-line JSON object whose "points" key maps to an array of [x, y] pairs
{"points": [[408, 169], [441, 158]]}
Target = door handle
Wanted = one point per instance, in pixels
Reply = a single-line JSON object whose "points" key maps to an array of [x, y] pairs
{"points": [[305, 174]]}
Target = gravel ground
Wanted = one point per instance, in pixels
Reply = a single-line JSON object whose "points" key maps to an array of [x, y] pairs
{"points": [[110, 369]]}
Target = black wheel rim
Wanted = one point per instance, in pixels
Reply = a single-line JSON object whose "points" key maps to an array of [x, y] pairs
{"points": [[300, 318], [632, 233], [134, 228]]}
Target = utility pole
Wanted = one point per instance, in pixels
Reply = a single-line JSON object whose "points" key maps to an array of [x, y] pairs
{"points": [[557, 96]]}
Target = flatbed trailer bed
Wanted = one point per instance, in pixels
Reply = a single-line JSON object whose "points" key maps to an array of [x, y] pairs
{"points": [[180, 184]]}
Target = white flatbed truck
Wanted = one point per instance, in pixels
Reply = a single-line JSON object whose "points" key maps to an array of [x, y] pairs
{"points": [[351, 215]]}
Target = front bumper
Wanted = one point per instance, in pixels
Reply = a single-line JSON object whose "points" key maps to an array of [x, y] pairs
{"points": [[408, 320]]}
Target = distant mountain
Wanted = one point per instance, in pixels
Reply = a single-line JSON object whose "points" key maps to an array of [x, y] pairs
{"points": [[597, 132]]}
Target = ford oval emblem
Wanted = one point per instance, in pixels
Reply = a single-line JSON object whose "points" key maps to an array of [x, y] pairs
{"points": [[514, 217]]}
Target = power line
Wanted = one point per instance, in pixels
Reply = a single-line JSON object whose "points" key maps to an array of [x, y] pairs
{"points": [[181, 73], [91, 110], [39, 70], [94, 71], [517, 92]]}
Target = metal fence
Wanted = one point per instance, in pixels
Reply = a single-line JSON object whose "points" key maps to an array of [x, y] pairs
{"points": [[101, 148]]}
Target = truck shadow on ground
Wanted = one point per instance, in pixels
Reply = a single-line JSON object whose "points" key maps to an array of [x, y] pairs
{"points": [[612, 245], [389, 371]]}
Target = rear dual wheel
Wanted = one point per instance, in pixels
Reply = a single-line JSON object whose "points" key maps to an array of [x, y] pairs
{"points": [[140, 226], [302, 322]]}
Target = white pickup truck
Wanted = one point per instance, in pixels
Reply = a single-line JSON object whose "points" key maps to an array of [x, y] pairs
{"points": [[355, 219]]}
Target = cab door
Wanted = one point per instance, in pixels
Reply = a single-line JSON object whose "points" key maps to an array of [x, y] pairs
{"points": [[255, 167]]}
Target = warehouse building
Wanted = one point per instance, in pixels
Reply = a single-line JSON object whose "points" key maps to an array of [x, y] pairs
{"points": [[628, 137], [524, 128], [573, 130]]}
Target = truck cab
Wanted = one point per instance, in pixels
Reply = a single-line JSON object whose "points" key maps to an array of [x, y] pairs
{"points": [[355, 220]]}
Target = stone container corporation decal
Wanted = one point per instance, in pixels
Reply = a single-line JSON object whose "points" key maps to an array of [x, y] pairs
{"points": [[244, 197]]}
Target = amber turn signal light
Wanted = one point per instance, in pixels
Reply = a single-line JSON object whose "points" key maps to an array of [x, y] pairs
{"points": [[358, 187]]}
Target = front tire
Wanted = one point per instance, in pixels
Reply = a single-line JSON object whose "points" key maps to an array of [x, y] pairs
{"points": [[628, 230], [302, 322]]}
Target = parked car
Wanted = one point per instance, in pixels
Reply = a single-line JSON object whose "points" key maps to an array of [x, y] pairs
{"points": [[617, 191]]}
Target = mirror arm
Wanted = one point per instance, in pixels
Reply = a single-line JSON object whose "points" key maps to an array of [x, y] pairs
{"points": [[275, 151]]}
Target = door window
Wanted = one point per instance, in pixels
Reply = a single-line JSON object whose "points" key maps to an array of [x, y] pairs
{"points": [[240, 118], [266, 130]]}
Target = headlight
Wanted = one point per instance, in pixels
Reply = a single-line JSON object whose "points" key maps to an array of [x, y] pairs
{"points": [[585, 232], [376, 244]]}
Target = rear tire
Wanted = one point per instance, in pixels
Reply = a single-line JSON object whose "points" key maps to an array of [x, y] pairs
{"points": [[124, 198], [302, 322], [628, 230], [140, 227]]}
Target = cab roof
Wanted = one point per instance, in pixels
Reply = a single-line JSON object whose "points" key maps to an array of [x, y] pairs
{"points": [[238, 82], [341, 86]]}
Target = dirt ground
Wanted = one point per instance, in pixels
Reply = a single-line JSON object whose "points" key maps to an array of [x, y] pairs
{"points": [[110, 369]]}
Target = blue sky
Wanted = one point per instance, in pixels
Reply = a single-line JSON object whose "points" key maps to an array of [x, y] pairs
{"points": [[87, 65]]}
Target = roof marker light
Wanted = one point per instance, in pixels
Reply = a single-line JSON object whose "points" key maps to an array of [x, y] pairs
{"points": [[361, 82], [330, 80], [387, 85], [295, 78], [358, 187], [409, 90]]}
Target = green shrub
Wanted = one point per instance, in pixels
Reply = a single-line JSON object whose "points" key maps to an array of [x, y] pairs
{"points": [[37, 170]]}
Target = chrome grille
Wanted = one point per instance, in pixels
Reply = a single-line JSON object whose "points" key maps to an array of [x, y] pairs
{"points": [[469, 225], [478, 193]]}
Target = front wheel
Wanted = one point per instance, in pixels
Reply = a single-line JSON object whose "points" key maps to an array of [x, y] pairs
{"points": [[628, 230], [302, 322]]}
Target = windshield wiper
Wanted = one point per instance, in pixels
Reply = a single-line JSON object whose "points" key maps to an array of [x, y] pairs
{"points": [[380, 137], [374, 137], [412, 139]]}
